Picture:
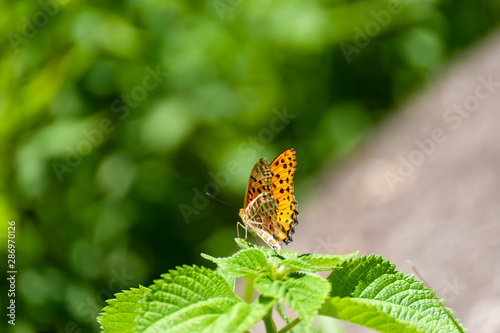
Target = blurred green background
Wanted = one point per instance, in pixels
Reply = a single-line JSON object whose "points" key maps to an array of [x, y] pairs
{"points": [[115, 118]]}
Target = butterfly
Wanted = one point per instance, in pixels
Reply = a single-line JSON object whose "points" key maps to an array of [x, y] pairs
{"points": [[270, 209]]}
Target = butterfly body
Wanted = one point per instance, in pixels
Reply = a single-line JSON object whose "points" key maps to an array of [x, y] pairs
{"points": [[270, 209]]}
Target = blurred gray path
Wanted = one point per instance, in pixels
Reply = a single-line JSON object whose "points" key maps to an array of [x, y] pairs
{"points": [[434, 201]]}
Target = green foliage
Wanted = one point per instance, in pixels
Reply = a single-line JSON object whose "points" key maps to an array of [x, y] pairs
{"points": [[252, 260], [371, 286], [188, 299], [122, 311], [303, 293], [101, 162], [365, 291]]}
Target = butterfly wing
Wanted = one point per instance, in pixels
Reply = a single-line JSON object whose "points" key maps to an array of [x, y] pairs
{"points": [[283, 168], [270, 209], [260, 211], [259, 217], [259, 181]]}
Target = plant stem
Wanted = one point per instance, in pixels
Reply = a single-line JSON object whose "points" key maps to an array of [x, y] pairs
{"points": [[290, 326], [269, 323], [282, 312], [248, 290]]}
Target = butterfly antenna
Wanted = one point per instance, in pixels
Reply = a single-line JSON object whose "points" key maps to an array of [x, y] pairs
{"points": [[219, 200]]}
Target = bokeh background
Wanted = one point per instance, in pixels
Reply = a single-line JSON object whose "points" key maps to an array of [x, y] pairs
{"points": [[116, 117]]}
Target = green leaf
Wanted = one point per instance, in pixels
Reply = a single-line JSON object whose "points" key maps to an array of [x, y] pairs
{"points": [[303, 327], [304, 293], [244, 263], [231, 280], [253, 261], [187, 299], [364, 314], [311, 262], [193, 299], [120, 314], [329, 324], [368, 292], [241, 317]]}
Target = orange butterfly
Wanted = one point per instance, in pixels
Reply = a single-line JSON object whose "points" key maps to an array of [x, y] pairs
{"points": [[270, 209]]}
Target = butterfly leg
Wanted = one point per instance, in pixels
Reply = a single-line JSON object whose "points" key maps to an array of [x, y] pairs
{"points": [[246, 234], [238, 230]]}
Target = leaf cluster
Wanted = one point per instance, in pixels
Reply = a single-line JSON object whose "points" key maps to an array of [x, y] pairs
{"points": [[364, 290]]}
